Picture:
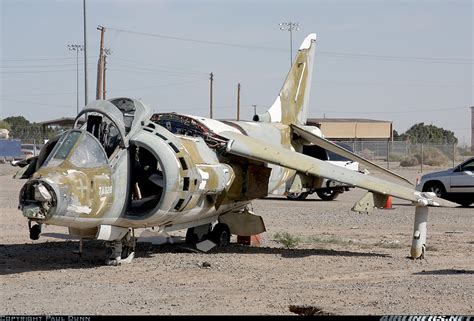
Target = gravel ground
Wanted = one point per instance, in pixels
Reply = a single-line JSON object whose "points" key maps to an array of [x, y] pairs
{"points": [[344, 263]]}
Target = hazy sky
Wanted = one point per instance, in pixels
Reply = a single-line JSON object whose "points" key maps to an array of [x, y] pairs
{"points": [[404, 61]]}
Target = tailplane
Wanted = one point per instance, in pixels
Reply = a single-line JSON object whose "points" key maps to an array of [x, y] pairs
{"points": [[291, 105]]}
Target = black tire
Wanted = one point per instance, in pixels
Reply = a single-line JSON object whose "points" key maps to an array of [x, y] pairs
{"points": [[465, 203], [221, 235], [328, 195], [435, 187], [35, 232], [191, 237], [297, 196]]}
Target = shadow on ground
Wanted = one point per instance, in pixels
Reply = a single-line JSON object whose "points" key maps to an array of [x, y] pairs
{"points": [[445, 272], [50, 256]]}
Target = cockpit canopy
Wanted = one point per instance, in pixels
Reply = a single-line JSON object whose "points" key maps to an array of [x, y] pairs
{"points": [[80, 148]]}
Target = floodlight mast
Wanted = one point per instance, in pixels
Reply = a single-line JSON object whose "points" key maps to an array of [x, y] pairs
{"points": [[85, 53], [290, 26], [77, 48]]}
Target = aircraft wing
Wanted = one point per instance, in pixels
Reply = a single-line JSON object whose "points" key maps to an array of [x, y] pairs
{"points": [[326, 144], [259, 150]]}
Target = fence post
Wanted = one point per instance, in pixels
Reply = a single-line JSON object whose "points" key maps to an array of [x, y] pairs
{"points": [[422, 157], [454, 153]]}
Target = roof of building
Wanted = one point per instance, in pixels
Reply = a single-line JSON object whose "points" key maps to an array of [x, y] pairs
{"points": [[346, 120], [64, 121]]}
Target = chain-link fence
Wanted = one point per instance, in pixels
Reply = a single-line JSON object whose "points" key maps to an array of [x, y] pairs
{"points": [[407, 154]]}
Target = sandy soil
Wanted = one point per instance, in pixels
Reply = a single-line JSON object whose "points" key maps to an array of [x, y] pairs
{"points": [[345, 263]]}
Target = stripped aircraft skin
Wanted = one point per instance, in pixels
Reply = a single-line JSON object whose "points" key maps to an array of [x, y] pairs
{"points": [[127, 168]]}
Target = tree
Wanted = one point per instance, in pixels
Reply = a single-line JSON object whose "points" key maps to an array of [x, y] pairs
{"points": [[21, 128], [429, 134], [5, 125]]}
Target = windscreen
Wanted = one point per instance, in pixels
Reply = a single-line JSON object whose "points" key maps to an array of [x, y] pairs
{"points": [[80, 148], [88, 153], [62, 148]]}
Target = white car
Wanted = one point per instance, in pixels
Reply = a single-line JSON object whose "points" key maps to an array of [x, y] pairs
{"points": [[331, 189], [455, 184]]}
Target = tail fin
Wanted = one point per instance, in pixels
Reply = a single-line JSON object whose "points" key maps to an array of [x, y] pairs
{"points": [[291, 105]]}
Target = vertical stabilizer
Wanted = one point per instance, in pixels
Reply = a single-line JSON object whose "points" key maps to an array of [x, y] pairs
{"points": [[291, 105]]}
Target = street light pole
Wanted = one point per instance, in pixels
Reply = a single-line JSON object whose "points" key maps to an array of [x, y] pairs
{"points": [[85, 53], [290, 26], [77, 48]]}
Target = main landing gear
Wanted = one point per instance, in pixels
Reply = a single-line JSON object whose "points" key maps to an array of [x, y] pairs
{"points": [[219, 234], [121, 251]]}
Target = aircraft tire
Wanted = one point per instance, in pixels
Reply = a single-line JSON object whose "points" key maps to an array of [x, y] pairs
{"points": [[221, 235], [35, 232], [328, 195], [297, 196], [191, 237]]}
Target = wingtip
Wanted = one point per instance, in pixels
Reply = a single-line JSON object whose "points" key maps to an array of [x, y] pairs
{"points": [[308, 41]]}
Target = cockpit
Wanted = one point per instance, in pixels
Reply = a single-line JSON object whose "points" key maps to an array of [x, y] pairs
{"points": [[80, 148]]}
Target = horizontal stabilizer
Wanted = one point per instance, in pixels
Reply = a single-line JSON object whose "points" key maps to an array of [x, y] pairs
{"points": [[326, 144]]}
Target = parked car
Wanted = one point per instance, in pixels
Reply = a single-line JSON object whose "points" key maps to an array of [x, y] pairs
{"points": [[455, 184], [330, 189]]}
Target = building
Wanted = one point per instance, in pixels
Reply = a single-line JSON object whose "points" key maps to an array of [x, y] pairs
{"points": [[66, 122], [353, 128]]}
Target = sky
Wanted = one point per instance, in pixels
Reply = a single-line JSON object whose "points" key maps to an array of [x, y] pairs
{"points": [[402, 61]]}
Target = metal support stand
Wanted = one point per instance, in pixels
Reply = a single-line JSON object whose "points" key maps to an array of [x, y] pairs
{"points": [[79, 251], [418, 246]]}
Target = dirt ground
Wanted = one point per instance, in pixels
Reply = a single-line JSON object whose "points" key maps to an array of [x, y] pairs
{"points": [[344, 263]]}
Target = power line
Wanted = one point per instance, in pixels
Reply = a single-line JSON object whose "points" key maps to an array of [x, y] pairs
{"points": [[160, 70], [41, 71], [42, 59], [391, 112], [158, 86], [153, 72], [217, 43], [34, 103], [38, 66], [160, 66], [40, 94], [332, 54]]}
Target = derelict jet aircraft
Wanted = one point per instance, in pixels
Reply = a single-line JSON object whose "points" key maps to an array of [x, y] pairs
{"points": [[127, 168]]}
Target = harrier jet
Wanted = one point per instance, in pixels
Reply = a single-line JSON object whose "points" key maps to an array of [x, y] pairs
{"points": [[123, 167]]}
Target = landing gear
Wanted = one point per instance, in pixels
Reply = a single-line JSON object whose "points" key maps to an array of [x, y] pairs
{"points": [[221, 235], [328, 195], [198, 233], [35, 230], [121, 251], [297, 196]]}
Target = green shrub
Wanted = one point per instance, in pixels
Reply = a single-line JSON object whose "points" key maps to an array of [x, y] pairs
{"points": [[287, 240]]}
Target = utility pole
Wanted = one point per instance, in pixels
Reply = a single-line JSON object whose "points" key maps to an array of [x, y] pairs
{"points": [[290, 26], [77, 48], [85, 54], [100, 64], [238, 101], [210, 94], [107, 53]]}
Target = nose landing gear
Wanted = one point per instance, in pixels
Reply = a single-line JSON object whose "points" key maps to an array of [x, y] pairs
{"points": [[35, 231]]}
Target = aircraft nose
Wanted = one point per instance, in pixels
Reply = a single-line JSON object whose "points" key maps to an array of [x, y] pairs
{"points": [[38, 200]]}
